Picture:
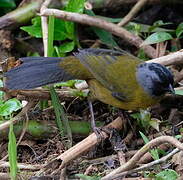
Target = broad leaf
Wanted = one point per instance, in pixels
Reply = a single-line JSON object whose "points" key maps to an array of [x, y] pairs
{"points": [[10, 106], [157, 38], [36, 31], [105, 36], [179, 30], [73, 6], [7, 4], [66, 47], [85, 177], [179, 92], [167, 174]]}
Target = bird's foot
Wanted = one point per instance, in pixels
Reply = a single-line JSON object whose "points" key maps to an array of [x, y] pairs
{"points": [[115, 139], [98, 133]]}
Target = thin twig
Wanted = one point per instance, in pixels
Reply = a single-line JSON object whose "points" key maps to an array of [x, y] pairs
{"points": [[132, 13], [65, 94], [4, 164], [134, 160], [171, 59], [146, 166], [18, 117], [24, 129], [100, 23], [44, 25]]}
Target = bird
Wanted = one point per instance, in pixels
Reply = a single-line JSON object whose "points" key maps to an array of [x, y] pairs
{"points": [[114, 77]]}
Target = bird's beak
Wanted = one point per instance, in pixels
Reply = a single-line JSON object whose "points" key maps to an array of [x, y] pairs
{"points": [[170, 89]]}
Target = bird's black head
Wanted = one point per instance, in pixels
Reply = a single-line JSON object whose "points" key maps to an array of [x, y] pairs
{"points": [[155, 79]]}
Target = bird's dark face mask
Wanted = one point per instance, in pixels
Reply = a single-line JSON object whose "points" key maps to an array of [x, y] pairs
{"points": [[155, 79]]}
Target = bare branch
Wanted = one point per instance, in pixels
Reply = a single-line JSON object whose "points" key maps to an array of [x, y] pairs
{"points": [[18, 116], [44, 25], [132, 13], [171, 59], [149, 165], [97, 22], [134, 160]]}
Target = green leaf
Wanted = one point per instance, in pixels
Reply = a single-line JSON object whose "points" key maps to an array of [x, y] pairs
{"points": [[133, 27], [179, 92], [135, 115], [178, 136], [143, 28], [12, 153], [85, 177], [34, 54], [61, 117], [69, 83], [105, 36], [167, 174], [155, 123], [50, 35], [73, 6], [138, 28], [179, 30], [60, 30], [7, 4], [1, 83], [1, 92], [157, 37], [144, 137], [154, 152], [142, 54], [145, 117], [56, 105], [156, 25], [36, 31], [80, 93], [161, 23], [10, 106], [70, 28], [66, 47]]}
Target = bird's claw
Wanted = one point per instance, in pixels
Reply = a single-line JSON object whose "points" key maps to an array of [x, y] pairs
{"points": [[98, 133]]}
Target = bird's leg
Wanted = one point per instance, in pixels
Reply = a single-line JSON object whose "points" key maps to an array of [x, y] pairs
{"points": [[95, 129], [115, 139], [173, 112]]}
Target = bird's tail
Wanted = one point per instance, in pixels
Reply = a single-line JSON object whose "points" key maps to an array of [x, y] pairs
{"points": [[39, 71], [35, 72]]}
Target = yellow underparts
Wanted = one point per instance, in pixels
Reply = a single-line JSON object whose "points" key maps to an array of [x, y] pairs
{"points": [[140, 100]]}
